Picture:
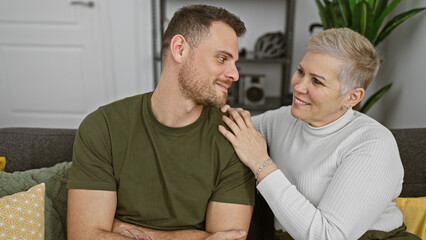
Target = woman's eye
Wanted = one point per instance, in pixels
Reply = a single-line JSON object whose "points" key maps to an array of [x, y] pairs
{"points": [[316, 81], [300, 71]]}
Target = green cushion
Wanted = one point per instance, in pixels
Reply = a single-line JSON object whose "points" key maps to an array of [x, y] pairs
{"points": [[55, 179]]}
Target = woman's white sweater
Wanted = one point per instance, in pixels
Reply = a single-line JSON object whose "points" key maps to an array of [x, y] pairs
{"points": [[333, 182]]}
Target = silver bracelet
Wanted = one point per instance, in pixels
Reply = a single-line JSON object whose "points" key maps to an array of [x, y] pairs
{"points": [[264, 164]]}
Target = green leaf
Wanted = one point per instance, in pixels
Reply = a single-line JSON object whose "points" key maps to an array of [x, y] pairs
{"points": [[332, 16], [378, 7], [322, 14], [371, 3], [361, 18], [374, 98], [392, 24], [346, 12], [378, 23], [352, 4]]}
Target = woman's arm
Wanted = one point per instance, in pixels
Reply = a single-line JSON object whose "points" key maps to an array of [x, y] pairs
{"points": [[361, 188]]}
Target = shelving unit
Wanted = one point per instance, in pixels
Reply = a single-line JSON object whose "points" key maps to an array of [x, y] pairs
{"points": [[283, 64]]}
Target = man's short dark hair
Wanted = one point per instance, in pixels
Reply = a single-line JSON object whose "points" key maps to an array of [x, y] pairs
{"points": [[193, 23]]}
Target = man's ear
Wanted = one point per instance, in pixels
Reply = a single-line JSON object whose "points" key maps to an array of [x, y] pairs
{"points": [[178, 48], [355, 96]]}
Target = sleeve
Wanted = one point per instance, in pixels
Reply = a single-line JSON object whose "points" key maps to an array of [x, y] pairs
{"points": [[236, 184], [92, 162], [257, 121], [364, 184], [260, 124]]}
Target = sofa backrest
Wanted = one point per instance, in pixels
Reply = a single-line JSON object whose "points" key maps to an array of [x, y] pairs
{"points": [[412, 149], [31, 148]]}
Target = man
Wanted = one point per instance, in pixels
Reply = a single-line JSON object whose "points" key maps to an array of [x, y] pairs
{"points": [[154, 166]]}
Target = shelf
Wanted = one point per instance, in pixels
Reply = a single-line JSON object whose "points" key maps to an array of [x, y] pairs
{"points": [[249, 57], [270, 104], [252, 60], [264, 60]]}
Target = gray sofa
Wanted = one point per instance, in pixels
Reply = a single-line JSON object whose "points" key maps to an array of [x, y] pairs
{"points": [[34, 148]]}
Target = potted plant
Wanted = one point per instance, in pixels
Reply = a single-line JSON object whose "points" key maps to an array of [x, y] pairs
{"points": [[366, 17]]}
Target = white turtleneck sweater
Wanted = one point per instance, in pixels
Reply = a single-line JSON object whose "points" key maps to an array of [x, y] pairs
{"points": [[333, 182]]}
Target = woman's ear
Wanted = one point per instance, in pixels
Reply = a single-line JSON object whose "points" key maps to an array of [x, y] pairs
{"points": [[355, 96], [178, 48]]}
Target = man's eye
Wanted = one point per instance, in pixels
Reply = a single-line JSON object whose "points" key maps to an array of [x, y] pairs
{"points": [[222, 59], [300, 71]]}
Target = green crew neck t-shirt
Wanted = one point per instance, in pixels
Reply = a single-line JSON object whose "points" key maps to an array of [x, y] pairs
{"points": [[164, 177]]}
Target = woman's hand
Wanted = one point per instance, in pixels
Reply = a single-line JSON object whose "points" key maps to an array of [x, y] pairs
{"points": [[246, 140]]}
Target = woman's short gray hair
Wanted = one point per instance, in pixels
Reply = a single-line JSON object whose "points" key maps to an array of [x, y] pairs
{"points": [[360, 62]]}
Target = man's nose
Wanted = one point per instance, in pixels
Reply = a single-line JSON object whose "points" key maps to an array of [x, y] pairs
{"points": [[232, 73]]}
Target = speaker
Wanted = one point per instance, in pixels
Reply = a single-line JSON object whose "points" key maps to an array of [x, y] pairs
{"points": [[253, 89], [234, 94]]}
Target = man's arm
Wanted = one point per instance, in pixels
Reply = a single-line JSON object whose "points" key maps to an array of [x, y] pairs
{"points": [[91, 216], [223, 219], [141, 233], [227, 216]]}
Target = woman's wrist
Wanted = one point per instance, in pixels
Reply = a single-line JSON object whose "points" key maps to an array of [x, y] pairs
{"points": [[266, 171], [263, 169], [256, 163]]}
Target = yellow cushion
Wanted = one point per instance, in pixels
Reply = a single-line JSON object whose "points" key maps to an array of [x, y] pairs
{"points": [[414, 211], [22, 214], [2, 163]]}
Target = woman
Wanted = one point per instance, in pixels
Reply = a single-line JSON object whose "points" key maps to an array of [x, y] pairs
{"points": [[331, 172]]}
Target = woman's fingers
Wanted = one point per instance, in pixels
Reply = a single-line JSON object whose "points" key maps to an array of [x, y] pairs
{"points": [[225, 108], [240, 116], [247, 118], [231, 124], [227, 134], [236, 117]]}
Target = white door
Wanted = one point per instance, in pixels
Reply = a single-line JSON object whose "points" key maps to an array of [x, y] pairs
{"points": [[54, 43]]}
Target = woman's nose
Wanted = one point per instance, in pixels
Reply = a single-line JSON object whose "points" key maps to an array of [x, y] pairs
{"points": [[299, 85]]}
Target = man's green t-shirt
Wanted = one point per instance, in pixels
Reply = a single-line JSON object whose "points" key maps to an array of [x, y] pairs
{"points": [[164, 177]]}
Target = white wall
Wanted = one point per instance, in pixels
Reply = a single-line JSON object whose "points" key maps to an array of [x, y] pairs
{"points": [[306, 14], [130, 28]]}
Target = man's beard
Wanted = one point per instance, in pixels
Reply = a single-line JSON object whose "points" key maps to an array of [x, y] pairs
{"points": [[200, 90]]}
